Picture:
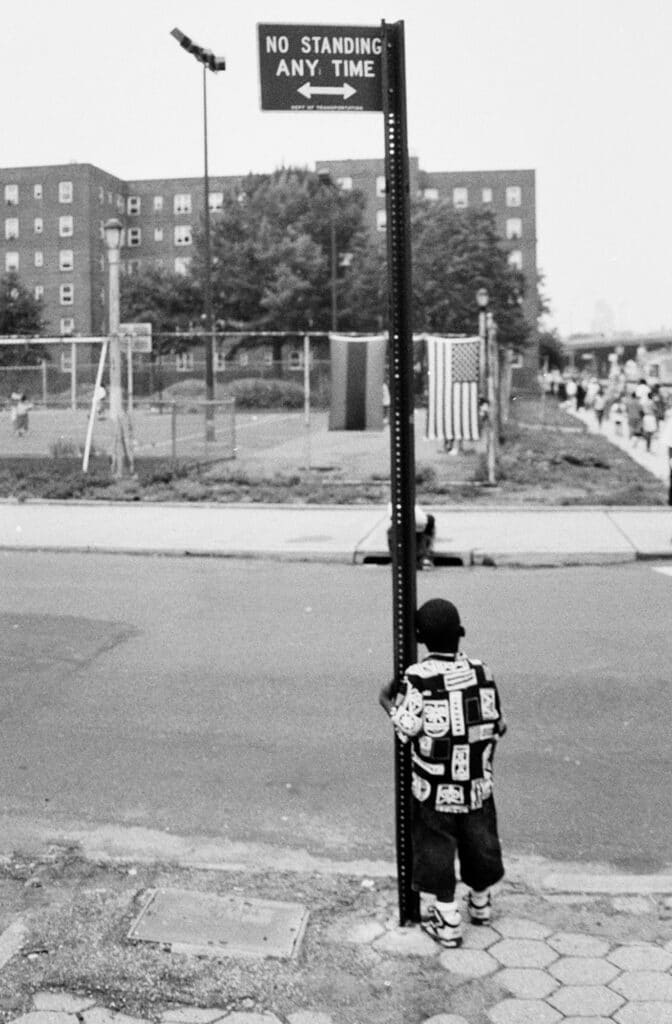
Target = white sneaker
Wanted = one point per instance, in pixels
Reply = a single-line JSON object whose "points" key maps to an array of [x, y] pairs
{"points": [[448, 933], [480, 907]]}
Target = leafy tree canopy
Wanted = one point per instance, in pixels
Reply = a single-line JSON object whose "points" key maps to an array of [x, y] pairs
{"points": [[271, 251], [20, 314], [168, 301], [456, 252]]}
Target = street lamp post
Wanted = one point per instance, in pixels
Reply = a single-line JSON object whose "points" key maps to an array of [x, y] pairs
{"points": [[121, 455], [214, 64], [482, 301], [326, 179], [488, 378]]}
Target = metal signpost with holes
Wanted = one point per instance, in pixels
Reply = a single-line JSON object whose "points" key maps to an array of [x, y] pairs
{"points": [[358, 68]]}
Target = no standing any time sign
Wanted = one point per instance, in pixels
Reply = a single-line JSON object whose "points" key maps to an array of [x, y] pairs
{"points": [[320, 67]]}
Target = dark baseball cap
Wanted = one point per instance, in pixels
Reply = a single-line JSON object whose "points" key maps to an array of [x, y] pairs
{"points": [[438, 618]]}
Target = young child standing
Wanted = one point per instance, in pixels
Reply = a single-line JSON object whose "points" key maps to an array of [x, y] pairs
{"points": [[449, 709]]}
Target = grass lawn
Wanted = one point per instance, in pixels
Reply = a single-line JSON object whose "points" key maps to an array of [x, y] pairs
{"points": [[547, 458]]}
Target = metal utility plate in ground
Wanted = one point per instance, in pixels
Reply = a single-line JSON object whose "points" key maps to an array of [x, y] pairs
{"points": [[203, 924]]}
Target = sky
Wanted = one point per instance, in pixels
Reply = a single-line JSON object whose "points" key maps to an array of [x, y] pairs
{"points": [[579, 90]]}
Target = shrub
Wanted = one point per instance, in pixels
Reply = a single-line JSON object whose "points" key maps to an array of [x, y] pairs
{"points": [[252, 393]]}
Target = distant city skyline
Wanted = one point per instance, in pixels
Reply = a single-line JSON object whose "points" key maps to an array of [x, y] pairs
{"points": [[571, 89]]}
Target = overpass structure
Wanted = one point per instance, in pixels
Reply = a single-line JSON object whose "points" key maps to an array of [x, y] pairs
{"points": [[596, 354]]}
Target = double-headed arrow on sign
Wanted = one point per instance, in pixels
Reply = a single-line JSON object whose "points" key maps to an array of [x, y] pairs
{"points": [[345, 90]]}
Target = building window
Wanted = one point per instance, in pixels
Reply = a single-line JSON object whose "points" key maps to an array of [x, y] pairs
{"points": [[133, 205], [38, 225], [11, 228], [66, 294], [268, 356], [134, 236], [65, 226], [158, 234], [513, 195], [132, 266], [11, 261], [101, 264], [183, 234], [66, 259], [182, 203], [182, 264], [11, 195], [220, 361], [158, 204], [486, 195], [345, 184], [515, 259], [216, 201], [67, 327], [431, 193], [184, 361], [101, 195], [38, 259], [460, 198], [381, 220], [38, 292], [514, 227], [295, 359], [37, 191], [65, 191], [243, 357], [120, 203], [381, 185]]}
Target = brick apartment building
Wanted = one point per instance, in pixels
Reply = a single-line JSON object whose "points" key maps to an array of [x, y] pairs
{"points": [[54, 215]]}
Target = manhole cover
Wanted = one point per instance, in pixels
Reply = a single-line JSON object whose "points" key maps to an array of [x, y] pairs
{"points": [[206, 925]]}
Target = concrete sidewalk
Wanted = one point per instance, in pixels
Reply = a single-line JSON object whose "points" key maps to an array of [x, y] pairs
{"points": [[354, 534], [564, 944]]}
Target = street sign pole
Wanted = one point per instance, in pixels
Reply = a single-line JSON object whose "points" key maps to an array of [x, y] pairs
{"points": [[402, 453], [346, 67]]}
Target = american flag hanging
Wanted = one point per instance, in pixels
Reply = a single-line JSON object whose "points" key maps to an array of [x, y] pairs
{"points": [[452, 413]]}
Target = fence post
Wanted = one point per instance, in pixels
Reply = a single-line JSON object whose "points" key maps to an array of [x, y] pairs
{"points": [[173, 432], [306, 394], [73, 376], [44, 382]]}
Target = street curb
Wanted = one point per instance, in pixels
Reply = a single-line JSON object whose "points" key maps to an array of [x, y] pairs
{"points": [[136, 845]]}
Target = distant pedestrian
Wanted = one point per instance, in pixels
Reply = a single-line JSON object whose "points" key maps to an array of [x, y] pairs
{"points": [[617, 414], [634, 413], [580, 395], [449, 709], [20, 415], [386, 403], [649, 422], [599, 403], [571, 389], [666, 443]]}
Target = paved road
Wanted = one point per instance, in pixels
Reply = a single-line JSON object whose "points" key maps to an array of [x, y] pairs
{"points": [[238, 699]]}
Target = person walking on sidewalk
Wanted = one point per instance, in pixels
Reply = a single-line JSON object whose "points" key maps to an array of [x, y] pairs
{"points": [[449, 709]]}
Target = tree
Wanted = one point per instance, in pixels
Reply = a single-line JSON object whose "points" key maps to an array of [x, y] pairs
{"points": [[169, 301], [455, 252], [271, 251], [550, 350], [20, 314]]}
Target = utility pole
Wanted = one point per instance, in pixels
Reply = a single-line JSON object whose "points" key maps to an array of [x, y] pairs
{"points": [[122, 456]]}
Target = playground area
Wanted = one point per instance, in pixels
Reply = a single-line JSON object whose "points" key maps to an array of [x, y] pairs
{"points": [[263, 443]]}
